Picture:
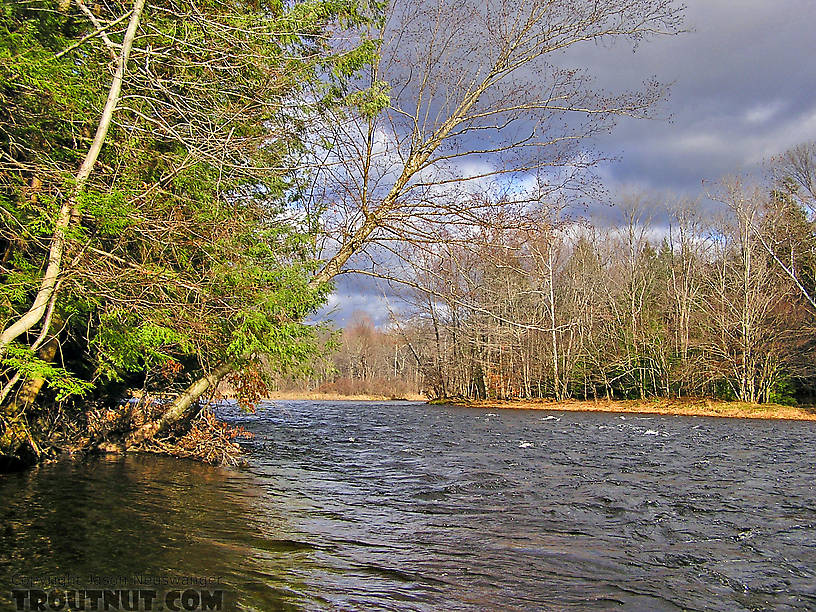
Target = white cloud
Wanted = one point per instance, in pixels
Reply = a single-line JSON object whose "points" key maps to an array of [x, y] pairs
{"points": [[763, 113], [696, 143]]}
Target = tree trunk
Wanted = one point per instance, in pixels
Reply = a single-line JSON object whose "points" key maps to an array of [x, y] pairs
{"points": [[179, 409], [68, 209], [31, 388]]}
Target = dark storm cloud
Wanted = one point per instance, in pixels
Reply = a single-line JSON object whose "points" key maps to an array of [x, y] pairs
{"points": [[744, 85]]}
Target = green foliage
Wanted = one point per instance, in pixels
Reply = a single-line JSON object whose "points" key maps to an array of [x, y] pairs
{"points": [[182, 249], [45, 102], [351, 62], [783, 392], [127, 344], [110, 213], [372, 101], [23, 360]]}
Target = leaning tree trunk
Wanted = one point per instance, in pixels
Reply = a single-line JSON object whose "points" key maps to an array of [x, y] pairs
{"points": [[30, 389], [180, 408], [68, 209]]}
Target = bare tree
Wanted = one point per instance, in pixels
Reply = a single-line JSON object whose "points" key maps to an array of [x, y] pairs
{"points": [[749, 302], [794, 190], [467, 97], [687, 250], [795, 172]]}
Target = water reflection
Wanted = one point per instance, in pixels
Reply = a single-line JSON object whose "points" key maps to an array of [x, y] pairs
{"points": [[141, 520]]}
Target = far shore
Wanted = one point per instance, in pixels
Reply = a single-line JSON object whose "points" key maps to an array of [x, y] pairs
{"points": [[684, 407], [334, 397]]}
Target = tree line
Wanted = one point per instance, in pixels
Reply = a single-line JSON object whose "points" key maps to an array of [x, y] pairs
{"points": [[181, 181], [709, 299], [361, 360]]}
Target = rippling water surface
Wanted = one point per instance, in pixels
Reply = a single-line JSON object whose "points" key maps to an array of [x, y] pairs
{"points": [[401, 506]]}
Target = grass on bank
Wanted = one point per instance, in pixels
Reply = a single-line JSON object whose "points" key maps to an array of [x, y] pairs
{"points": [[685, 407], [333, 397]]}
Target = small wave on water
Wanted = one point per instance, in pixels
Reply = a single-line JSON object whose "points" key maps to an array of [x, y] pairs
{"points": [[398, 506]]}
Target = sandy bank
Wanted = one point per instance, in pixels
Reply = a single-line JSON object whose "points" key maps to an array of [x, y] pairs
{"points": [[333, 397], [686, 407]]}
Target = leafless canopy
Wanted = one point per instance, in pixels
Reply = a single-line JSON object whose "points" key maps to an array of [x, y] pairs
{"points": [[484, 111], [796, 169]]}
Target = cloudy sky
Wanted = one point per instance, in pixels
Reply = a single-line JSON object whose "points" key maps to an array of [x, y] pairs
{"points": [[744, 89]]}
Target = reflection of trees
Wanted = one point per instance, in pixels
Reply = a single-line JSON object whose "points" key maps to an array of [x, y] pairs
{"points": [[145, 516]]}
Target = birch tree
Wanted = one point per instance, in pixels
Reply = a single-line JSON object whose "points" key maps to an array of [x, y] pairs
{"points": [[171, 245], [68, 207]]}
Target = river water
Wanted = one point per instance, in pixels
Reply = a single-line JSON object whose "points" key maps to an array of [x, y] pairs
{"points": [[403, 506]]}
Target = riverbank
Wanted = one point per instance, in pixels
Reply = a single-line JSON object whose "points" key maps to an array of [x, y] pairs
{"points": [[684, 407], [334, 397]]}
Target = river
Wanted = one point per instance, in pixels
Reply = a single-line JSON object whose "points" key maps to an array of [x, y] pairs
{"points": [[404, 506]]}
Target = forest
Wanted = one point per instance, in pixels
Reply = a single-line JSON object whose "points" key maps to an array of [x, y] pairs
{"points": [[669, 302], [182, 182]]}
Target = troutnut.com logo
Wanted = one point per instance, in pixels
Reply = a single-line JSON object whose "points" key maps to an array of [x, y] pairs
{"points": [[176, 600]]}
